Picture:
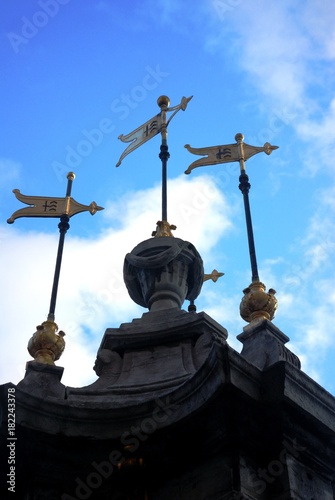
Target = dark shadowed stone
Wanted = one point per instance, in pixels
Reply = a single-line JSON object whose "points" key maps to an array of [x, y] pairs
{"points": [[43, 380], [264, 345], [175, 413]]}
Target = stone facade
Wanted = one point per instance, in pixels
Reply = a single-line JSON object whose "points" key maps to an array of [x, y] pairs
{"points": [[175, 412]]}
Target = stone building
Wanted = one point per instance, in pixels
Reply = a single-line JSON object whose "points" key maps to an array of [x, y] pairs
{"points": [[175, 412]]}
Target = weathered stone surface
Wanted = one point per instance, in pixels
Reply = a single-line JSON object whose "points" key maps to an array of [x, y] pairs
{"points": [[307, 483], [43, 380], [175, 413], [229, 431], [264, 345]]}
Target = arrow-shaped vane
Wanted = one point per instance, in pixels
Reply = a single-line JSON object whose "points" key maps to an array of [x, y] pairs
{"points": [[64, 208], [226, 153], [47, 206]]}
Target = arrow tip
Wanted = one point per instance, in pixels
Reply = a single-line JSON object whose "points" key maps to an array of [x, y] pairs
{"points": [[94, 208], [268, 148]]}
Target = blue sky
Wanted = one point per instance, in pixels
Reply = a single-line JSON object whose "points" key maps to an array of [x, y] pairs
{"points": [[76, 75]]}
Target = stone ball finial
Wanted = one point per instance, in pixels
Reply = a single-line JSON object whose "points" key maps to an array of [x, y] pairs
{"points": [[257, 303], [162, 272], [46, 346]]}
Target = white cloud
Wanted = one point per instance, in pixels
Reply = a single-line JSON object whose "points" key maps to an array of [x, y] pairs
{"points": [[92, 295], [9, 170], [286, 52], [318, 18]]}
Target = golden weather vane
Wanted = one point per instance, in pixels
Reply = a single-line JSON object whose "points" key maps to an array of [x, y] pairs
{"points": [[256, 303], [46, 345], [157, 124], [227, 153], [47, 206], [152, 127]]}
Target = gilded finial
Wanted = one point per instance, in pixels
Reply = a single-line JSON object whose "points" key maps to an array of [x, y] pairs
{"points": [[258, 304], [46, 346], [71, 176], [163, 229], [163, 100]]}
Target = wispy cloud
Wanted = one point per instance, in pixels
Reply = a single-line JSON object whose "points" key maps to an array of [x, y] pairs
{"points": [[286, 54], [285, 51], [92, 295], [9, 170]]}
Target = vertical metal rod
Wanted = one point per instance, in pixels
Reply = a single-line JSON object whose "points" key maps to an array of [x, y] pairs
{"points": [[164, 156], [164, 102], [244, 187], [63, 228]]}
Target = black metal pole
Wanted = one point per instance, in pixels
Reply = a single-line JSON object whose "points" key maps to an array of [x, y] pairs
{"points": [[164, 155], [63, 228], [244, 186]]}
